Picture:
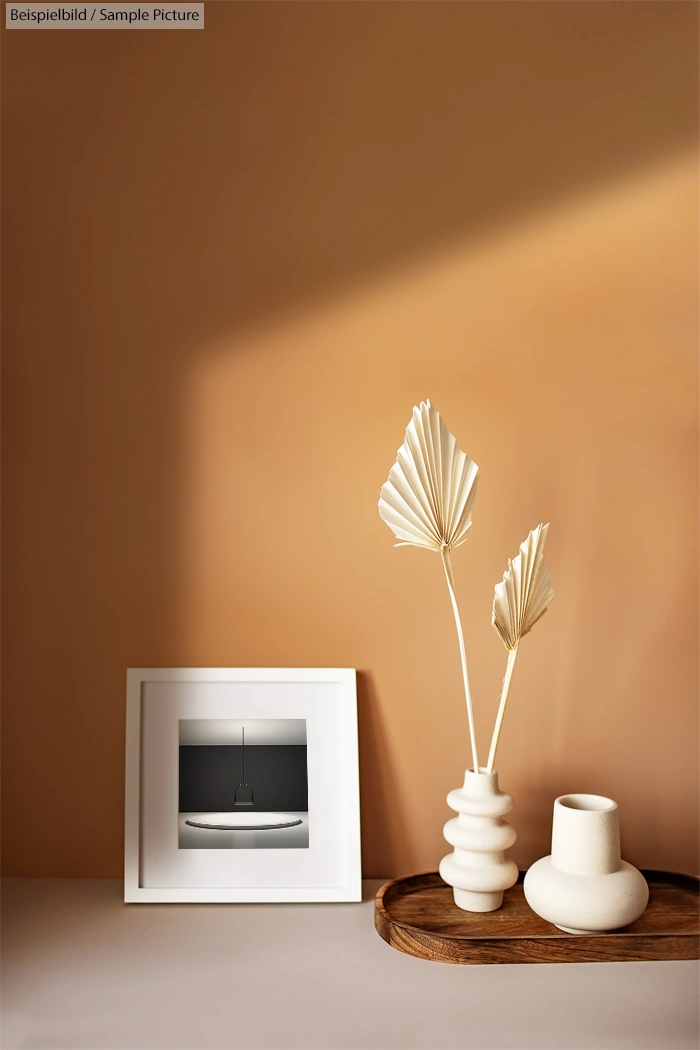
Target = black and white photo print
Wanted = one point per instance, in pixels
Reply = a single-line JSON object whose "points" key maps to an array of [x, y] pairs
{"points": [[243, 784]]}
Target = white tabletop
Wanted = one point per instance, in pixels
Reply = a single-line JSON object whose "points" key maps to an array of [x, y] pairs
{"points": [[83, 970]]}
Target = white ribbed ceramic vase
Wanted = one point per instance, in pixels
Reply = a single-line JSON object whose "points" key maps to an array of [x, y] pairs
{"points": [[585, 886], [478, 869]]}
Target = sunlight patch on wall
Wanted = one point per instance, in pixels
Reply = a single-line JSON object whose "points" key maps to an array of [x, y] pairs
{"points": [[562, 354]]}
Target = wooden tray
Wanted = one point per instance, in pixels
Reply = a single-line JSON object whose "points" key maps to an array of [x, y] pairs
{"points": [[417, 915]]}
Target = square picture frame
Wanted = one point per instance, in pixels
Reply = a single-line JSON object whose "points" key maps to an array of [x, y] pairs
{"points": [[242, 785]]}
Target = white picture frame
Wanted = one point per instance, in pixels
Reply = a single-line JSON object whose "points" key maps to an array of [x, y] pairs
{"points": [[164, 703]]}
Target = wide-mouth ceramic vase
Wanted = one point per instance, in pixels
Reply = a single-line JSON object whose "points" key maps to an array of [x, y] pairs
{"points": [[584, 886]]}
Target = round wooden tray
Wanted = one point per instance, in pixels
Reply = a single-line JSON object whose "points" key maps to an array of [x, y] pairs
{"points": [[417, 915]]}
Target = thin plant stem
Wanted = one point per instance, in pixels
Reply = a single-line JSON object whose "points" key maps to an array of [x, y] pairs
{"points": [[512, 653], [445, 552]]}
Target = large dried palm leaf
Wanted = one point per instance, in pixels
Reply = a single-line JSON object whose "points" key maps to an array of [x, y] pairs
{"points": [[427, 502], [428, 499], [520, 600]]}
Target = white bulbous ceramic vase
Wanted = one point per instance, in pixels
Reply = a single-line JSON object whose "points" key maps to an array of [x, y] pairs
{"points": [[585, 886], [478, 869]]}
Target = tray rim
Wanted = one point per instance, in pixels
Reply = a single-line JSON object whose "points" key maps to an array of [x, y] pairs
{"points": [[556, 934]]}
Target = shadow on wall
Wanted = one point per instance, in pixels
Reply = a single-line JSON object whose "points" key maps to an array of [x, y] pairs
{"points": [[147, 214], [385, 833]]}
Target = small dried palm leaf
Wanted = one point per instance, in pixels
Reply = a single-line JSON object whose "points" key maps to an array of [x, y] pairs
{"points": [[525, 592], [428, 499]]}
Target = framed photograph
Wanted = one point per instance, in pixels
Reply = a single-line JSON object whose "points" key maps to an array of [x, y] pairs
{"points": [[242, 785]]}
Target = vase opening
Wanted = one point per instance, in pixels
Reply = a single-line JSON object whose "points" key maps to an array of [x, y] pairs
{"points": [[589, 803]]}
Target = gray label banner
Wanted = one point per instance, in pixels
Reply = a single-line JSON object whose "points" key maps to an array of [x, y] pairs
{"points": [[104, 16]]}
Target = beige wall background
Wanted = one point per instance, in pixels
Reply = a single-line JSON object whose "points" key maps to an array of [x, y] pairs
{"points": [[233, 262]]}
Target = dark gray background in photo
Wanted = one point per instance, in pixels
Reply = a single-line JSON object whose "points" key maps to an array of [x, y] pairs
{"points": [[210, 774]]}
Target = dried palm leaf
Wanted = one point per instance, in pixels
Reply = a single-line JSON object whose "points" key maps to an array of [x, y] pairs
{"points": [[427, 502], [520, 600], [428, 499], [525, 592]]}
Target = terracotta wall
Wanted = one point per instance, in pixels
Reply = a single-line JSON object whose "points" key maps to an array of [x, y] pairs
{"points": [[233, 261]]}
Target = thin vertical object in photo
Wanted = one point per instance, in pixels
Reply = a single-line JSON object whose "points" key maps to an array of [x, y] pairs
{"points": [[243, 783]]}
